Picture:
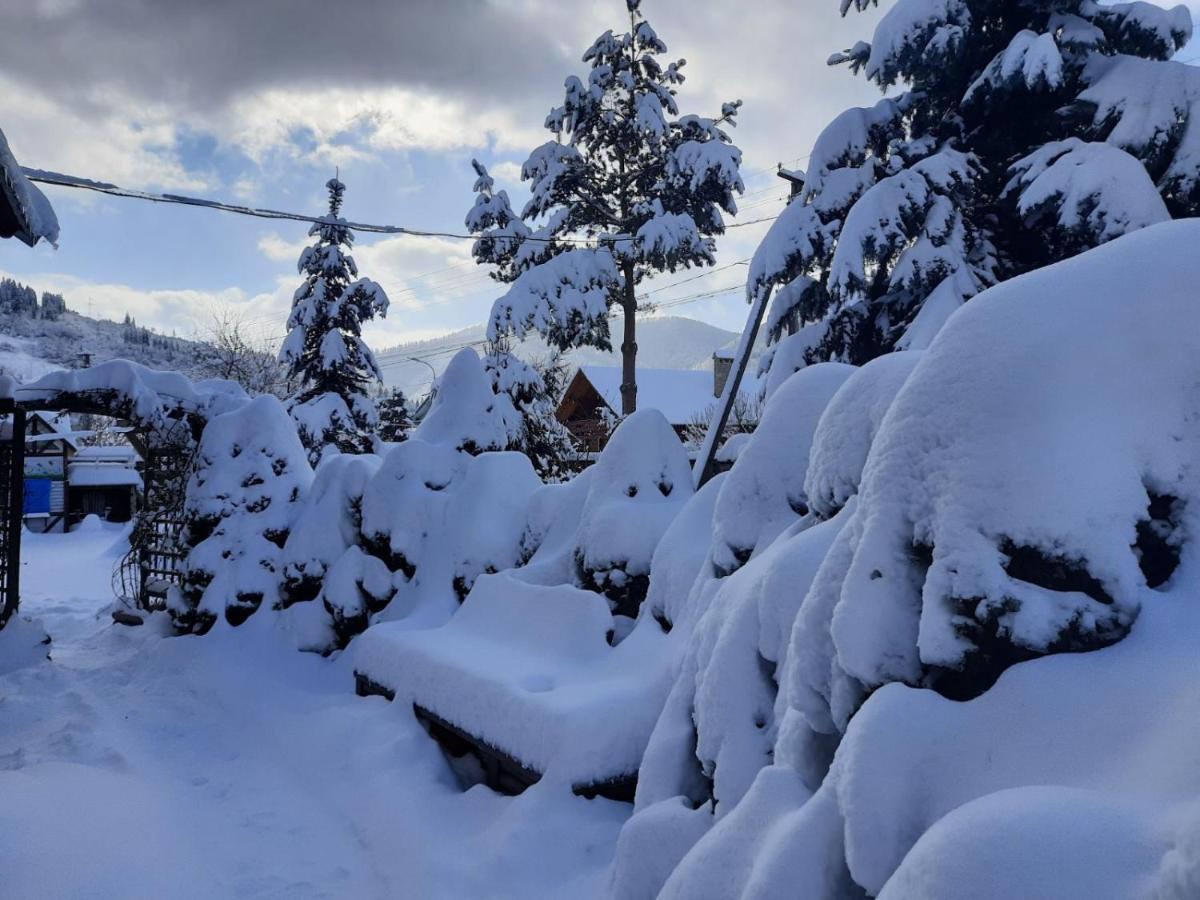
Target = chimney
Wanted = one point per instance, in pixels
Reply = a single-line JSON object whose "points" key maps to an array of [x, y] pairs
{"points": [[722, 366]]}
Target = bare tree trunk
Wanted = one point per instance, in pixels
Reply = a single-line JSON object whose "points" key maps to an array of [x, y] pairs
{"points": [[629, 344]]}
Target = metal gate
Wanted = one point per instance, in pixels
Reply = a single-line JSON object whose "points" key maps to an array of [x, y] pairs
{"points": [[12, 506], [159, 548]]}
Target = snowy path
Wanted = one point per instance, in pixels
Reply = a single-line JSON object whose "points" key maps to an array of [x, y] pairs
{"points": [[232, 766]]}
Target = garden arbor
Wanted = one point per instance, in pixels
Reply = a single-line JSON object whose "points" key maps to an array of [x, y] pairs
{"points": [[166, 413]]}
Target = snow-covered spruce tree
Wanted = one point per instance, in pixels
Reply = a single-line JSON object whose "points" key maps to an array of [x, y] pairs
{"points": [[534, 390], [1027, 132], [394, 420], [242, 499], [628, 187], [324, 350]]}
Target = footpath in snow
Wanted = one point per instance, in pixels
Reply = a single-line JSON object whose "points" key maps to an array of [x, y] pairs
{"points": [[233, 766]]}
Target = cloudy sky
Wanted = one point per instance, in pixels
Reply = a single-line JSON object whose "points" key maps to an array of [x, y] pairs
{"points": [[257, 102]]}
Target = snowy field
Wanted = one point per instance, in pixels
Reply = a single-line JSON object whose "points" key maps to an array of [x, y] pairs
{"points": [[233, 766]]}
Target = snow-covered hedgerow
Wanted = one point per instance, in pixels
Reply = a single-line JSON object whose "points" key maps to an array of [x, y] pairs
{"points": [[1025, 494], [243, 497]]}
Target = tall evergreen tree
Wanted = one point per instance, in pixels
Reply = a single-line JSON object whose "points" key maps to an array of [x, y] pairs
{"points": [[324, 351], [1026, 133], [628, 187]]}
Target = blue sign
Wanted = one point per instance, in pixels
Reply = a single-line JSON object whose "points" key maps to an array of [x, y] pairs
{"points": [[37, 496]]}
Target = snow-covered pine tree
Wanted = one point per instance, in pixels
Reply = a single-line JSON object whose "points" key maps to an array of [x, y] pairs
{"points": [[394, 421], [628, 187], [1027, 132], [324, 350], [535, 390]]}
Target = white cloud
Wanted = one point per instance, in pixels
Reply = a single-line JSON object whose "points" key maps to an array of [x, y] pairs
{"points": [[110, 137]]}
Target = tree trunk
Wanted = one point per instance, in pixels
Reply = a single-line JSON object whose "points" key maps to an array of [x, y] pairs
{"points": [[629, 344]]}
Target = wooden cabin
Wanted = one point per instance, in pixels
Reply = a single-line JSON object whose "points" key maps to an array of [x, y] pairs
{"points": [[592, 400]]}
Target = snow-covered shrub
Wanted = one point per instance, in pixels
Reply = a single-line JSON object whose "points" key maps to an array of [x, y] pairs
{"points": [[720, 723], [1017, 501], [847, 429], [439, 517], [327, 524], [764, 492], [1025, 494], [466, 413], [639, 484], [243, 497]]}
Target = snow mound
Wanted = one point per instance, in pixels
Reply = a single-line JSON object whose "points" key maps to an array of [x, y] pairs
{"points": [[466, 413], [327, 523], [640, 483], [439, 518], [764, 492], [528, 670]]}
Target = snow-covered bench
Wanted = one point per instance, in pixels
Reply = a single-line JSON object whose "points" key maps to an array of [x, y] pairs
{"points": [[525, 678]]}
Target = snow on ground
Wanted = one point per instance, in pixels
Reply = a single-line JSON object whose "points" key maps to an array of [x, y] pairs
{"points": [[233, 766]]}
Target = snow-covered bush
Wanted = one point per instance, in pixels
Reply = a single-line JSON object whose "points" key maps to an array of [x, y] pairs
{"points": [[719, 723], [326, 524], [847, 428], [639, 484], [243, 497], [535, 391], [1023, 134], [1023, 496], [467, 414], [764, 492], [438, 518]]}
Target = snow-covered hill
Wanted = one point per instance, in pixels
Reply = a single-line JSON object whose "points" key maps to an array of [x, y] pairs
{"points": [[669, 342], [31, 347]]}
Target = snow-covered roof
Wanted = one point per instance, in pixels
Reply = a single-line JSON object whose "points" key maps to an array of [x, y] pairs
{"points": [[25, 213], [93, 474], [115, 453], [679, 394]]}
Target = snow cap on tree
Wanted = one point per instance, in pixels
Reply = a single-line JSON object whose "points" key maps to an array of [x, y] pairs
{"points": [[324, 350]]}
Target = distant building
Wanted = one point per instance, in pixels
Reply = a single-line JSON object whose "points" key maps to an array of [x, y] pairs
{"points": [[105, 482], [592, 400], [49, 447]]}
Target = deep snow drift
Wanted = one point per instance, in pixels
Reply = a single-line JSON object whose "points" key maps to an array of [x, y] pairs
{"points": [[132, 764]]}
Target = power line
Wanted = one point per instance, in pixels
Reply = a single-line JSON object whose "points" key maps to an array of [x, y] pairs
{"points": [[71, 181]]}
